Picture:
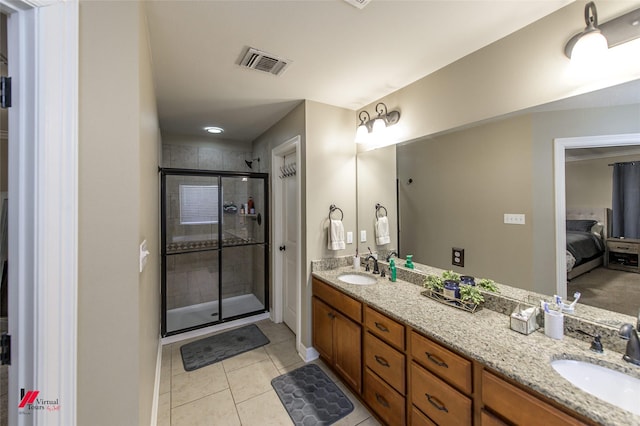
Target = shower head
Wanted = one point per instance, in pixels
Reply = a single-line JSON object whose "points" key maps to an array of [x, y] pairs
{"points": [[250, 162]]}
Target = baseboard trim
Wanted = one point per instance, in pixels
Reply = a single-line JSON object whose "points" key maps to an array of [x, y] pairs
{"points": [[156, 386], [308, 354]]}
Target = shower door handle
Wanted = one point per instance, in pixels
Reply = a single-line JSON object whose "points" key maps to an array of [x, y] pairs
{"points": [[283, 248]]}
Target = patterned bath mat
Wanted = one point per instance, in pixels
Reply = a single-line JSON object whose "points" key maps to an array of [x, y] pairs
{"points": [[310, 397], [219, 347]]}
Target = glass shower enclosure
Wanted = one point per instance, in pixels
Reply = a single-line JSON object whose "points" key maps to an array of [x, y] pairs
{"points": [[214, 250]]}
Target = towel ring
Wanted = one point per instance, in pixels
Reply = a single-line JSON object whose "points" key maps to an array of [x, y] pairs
{"points": [[333, 208], [378, 207]]}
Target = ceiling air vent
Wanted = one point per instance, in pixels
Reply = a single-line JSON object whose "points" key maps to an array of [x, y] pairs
{"points": [[263, 61]]}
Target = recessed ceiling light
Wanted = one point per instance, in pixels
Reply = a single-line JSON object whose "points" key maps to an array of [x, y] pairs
{"points": [[213, 129]]}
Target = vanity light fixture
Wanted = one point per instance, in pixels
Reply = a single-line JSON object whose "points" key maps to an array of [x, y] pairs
{"points": [[594, 41], [215, 130], [372, 128]]}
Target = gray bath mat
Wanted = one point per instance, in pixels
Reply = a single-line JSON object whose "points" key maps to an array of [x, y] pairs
{"points": [[219, 347], [310, 397]]}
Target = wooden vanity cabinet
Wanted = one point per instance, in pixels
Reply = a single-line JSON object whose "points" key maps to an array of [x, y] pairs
{"points": [[385, 366], [337, 333], [441, 383], [517, 406], [408, 378]]}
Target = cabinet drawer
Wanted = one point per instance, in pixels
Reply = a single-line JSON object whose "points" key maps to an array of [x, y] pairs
{"points": [[419, 419], [385, 361], [444, 363], [338, 300], [442, 403], [384, 327], [385, 401], [623, 247], [488, 419], [518, 406]]}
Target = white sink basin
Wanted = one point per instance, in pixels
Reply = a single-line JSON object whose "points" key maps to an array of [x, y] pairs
{"points": [[357, 279], [609, 385]]}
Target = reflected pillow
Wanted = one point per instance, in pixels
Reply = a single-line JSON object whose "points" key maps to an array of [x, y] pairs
{"points": [[597, 229], [581, 225]]}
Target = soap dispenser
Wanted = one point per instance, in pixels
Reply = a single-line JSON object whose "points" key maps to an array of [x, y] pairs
{"points": [[392, 269], [409, 262]]}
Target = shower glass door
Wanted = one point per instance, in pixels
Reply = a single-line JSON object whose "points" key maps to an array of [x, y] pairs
{"points": [[243, 246], [214, 258]]}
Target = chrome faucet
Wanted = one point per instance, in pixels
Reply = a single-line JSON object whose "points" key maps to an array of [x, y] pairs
{"points": [[632, 354], [390, 255], [375, 263]]}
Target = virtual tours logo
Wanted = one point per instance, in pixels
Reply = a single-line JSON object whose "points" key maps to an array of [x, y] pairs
{"points": [[30, 402]]}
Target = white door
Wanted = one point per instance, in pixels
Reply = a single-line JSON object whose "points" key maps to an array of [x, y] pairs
{"points": [[289, 247]]}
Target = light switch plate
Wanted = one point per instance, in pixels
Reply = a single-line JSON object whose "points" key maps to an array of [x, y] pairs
{"points": [[349, 237], [363, 236], [144, 254], [514, 218]]}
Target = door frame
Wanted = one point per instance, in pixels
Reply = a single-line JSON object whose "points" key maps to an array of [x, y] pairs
{"points": [[277, 160], [43, 205], [560, 145]]}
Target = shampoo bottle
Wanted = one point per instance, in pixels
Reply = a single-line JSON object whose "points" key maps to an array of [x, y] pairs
{"points": [[392, 268]]}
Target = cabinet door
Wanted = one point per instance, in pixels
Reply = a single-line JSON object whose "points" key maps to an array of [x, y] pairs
{"points": [[323, 329], [518, 406], [347, 339]]}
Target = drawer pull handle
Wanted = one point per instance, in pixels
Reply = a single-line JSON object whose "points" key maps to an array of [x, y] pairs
{"points": [[381, 361], [381, 400], [330, 315], [437, 361], [436, 403], [381, 327]]}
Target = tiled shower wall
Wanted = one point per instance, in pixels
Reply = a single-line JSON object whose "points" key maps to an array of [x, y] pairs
{"points": [[192, 278], [202, 157]]}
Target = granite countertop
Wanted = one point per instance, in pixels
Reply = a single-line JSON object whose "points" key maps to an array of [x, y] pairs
{"points": [[485, 336]]}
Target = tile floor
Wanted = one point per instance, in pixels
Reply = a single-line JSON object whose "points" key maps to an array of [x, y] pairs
{"points": [[238, 391]]}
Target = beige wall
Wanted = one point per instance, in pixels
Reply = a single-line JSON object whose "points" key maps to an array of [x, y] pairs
{"points": [[524, 69], [292, 125], [118, 308], [149, 225], [589, 183], [330, 167], [463, 184]]}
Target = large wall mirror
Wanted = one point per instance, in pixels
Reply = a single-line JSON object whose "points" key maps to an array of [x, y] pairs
{"points": [[453, 190]]}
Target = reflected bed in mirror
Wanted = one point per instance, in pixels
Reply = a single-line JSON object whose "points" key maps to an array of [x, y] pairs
{"points": [[454, 188]]}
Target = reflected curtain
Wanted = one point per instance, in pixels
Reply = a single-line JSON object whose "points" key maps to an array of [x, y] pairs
{"points": [[626, 200]]}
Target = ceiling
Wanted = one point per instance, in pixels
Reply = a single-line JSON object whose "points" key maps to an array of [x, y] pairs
{"points": [[340, 55]]}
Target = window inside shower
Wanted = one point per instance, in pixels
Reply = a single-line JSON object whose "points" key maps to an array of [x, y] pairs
{"points": [[214, 252]]}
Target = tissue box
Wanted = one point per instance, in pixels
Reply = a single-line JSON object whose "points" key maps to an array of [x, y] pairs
{"points": [[522, 324]]}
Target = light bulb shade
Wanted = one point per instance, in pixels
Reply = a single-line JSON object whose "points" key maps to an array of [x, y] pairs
{"points": [[379, 125], [362, 134], [590, 49]]}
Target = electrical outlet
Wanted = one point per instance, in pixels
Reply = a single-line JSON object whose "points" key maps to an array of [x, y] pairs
{"points": [[457, 256], [363, 236], [514, 218], [349, 237]]}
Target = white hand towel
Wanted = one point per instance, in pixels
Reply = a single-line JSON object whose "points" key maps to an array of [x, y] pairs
{"points": [[382, 231], [336, 235]]}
